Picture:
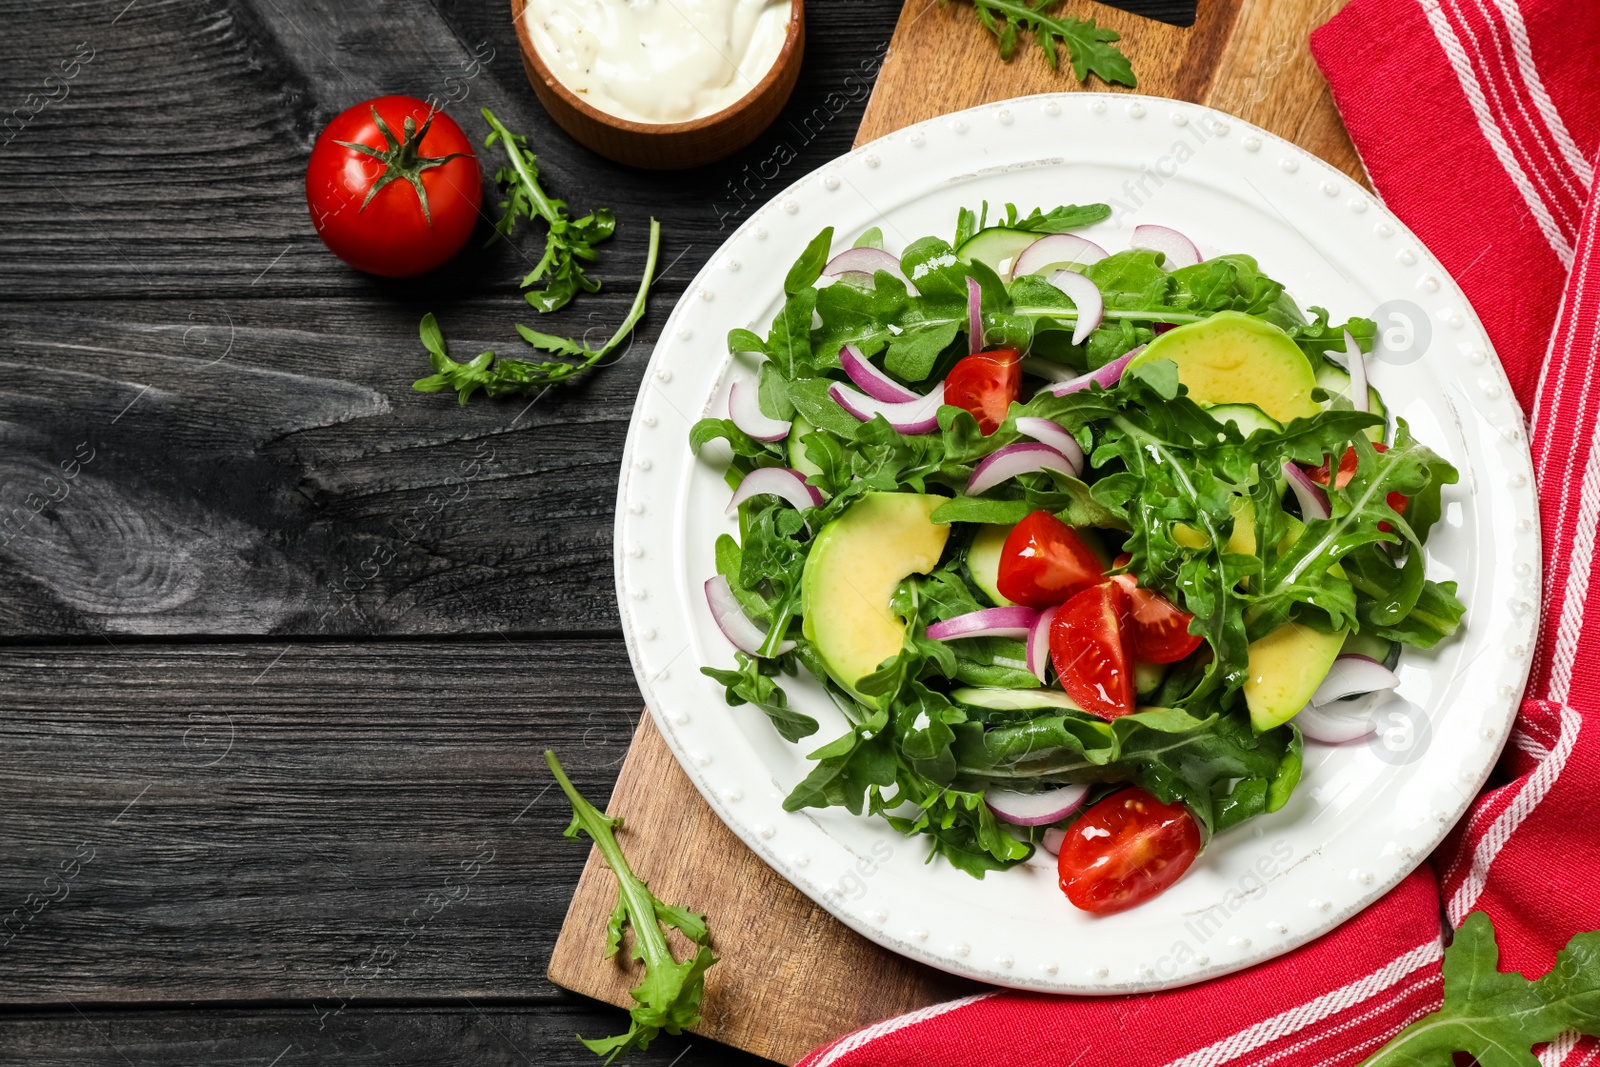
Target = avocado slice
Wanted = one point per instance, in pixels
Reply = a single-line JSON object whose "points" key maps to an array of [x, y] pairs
{"points": [[852, 571], [983, 561], [1234, 358], [1286, 666]]}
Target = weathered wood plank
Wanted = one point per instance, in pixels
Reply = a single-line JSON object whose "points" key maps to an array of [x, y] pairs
{"points": [[438, 1035], [173, 160], [320, 823]]}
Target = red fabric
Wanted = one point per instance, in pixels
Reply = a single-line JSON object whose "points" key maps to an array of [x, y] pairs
{"points": [[1478, 122]]}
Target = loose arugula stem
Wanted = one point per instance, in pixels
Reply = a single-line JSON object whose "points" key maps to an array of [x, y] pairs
{"points": [[669, 992], [502, 377], [542, 204]]}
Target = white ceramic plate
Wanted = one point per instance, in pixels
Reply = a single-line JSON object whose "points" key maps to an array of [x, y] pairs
{"points": [[1364, 815]]}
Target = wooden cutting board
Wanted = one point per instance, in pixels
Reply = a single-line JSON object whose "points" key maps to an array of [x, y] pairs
{"points": [[792, 977]]}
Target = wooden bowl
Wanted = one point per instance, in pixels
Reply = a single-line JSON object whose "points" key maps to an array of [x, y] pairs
{"points": [[668, 145]]}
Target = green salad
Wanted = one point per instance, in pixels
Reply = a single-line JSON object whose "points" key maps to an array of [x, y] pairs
{"points": [[1084, 544]]}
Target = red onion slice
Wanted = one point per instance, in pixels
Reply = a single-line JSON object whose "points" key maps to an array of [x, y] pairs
{"points": [[1357, 366], [1051, 841], [974, 316], [735, 625], [1105, 377], [1054, 435], [863, 263], [913, 417], [1035, 809], [1353, 675], [1312, 503], [1178, 249], [1085, 296], [785, 482], [1039, 644], [1006, 463], [744, 408], [1333, 727], [872, 381], [1014, 621], [1060, 251]]}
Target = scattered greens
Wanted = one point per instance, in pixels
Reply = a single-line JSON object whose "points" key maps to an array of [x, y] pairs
{"points": [[668, 996], [1089, 48], [569, 243], [1494, 1017], [916, 754], [502, 377]]}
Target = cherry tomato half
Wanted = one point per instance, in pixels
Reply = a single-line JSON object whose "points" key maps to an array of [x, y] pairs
{"points": [[1347, 470], [1045, 562], [1126, 849], [985, 384], [1160, 628], [1090, 649], [394, 187]]}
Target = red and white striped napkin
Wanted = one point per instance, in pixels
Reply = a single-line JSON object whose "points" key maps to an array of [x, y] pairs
{"points": [[1478, 121]]}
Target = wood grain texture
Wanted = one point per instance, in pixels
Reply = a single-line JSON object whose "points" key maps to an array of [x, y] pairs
{"points": [[321, 823], [262, 465], [447, 1034], [1249, 58], [782, 956]]}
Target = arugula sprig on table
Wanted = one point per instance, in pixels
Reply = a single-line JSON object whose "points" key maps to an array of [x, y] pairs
{"points": [[1089, 47], [569, 242], [1497, 1018], [669, 993], [502, 377]]}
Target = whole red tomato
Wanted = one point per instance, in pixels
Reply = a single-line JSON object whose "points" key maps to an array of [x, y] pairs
{"points": [[394, 187], [985, 384], [1125, 850]]}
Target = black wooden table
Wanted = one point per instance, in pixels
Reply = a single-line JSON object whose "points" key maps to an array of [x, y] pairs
{"points": [[282, 641]]}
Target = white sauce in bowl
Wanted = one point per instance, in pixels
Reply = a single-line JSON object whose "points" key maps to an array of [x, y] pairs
{"points": [[659, 60]]}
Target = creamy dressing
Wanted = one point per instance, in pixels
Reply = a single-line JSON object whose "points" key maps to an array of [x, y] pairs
{"points": [[659, 60]]}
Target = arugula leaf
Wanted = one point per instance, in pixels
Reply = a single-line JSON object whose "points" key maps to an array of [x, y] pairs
{"points": [[1088, 46], [1495, 1017], [568, 242], [752, 684], [669, 993], [808, 268], [504, 377]]}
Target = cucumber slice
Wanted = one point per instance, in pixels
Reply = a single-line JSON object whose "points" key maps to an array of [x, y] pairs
{"points": [[996, 247], [797, 451], [1335, 381], [1147, 676], [1247, 417], [983, 561], [1015, 699], [1385, 652]]}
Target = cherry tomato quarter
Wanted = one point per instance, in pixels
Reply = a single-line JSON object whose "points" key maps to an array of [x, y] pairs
{"points": [[1045, 562], [1126, 849], [1160, 628], [394, 187], [1091, 651], [985, 384]]}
